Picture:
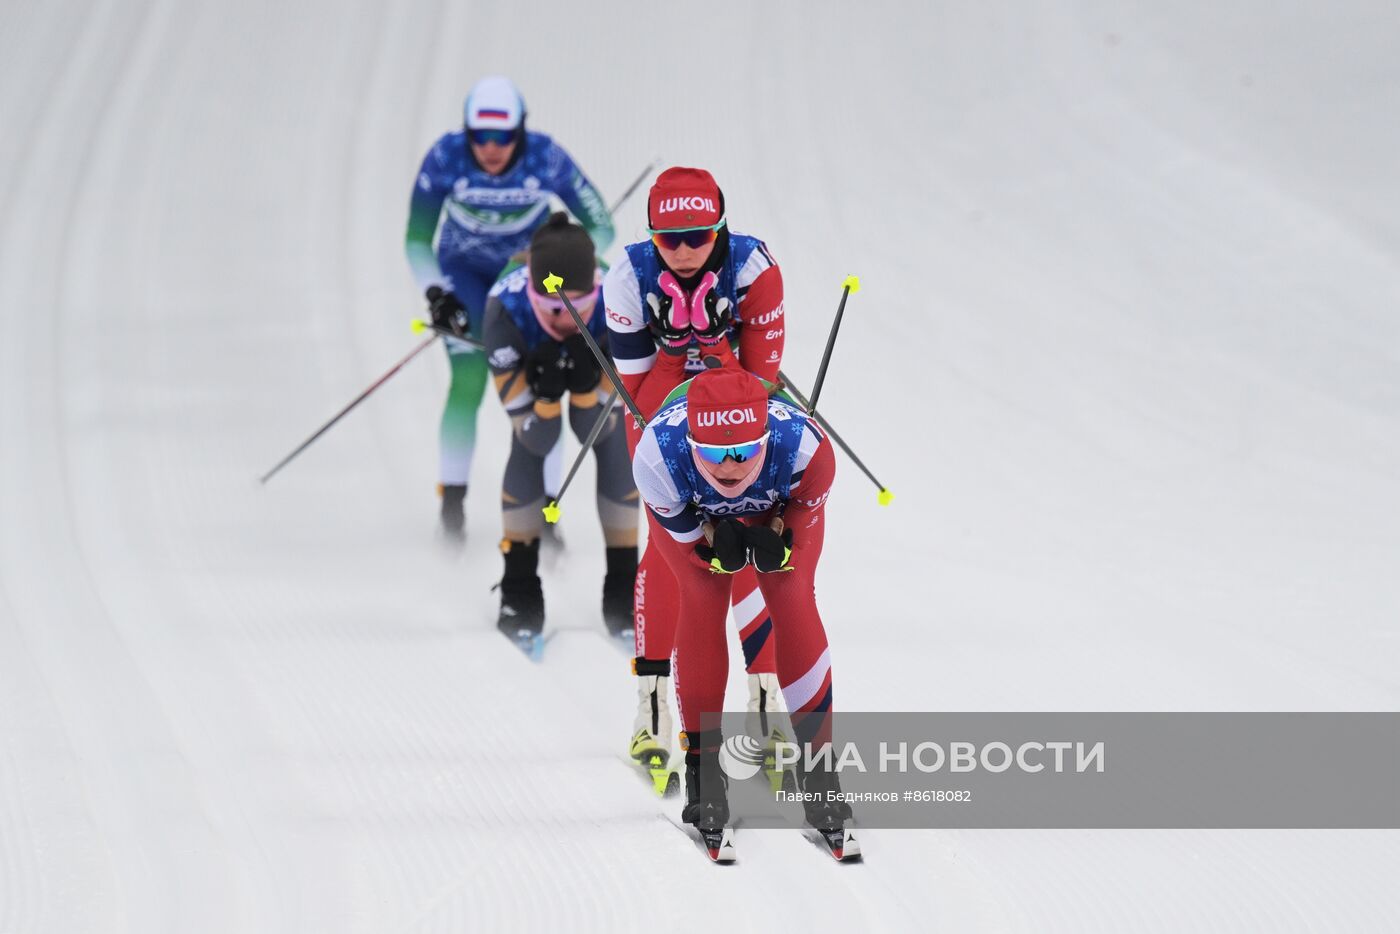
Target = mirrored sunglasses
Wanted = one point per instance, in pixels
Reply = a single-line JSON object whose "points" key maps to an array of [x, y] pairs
{"points": [[718, 453], [693, 237], [499, 137]]}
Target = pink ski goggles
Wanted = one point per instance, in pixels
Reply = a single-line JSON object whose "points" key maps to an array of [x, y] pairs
{"points": [[554, 318], [584, 306]]}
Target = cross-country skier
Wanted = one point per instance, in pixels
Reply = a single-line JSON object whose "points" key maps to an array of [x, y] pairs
{"points": [[537, 357], [737, 479], [480, 194], [694, 286]]}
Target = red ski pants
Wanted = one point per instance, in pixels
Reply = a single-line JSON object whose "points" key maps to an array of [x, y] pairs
{"points": [[701, 666], [656, 607]]}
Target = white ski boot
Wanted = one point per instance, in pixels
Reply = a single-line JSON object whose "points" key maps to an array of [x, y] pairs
{"points": [[767, 721], [651, 730]]}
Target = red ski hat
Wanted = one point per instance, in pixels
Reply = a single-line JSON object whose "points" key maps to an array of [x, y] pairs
{"points": [[727, 406], [684, 197]]}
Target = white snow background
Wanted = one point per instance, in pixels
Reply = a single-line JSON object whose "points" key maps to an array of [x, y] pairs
{"points": [[1127, 352]]}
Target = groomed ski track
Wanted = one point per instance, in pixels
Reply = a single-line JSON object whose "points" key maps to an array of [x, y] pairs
{"points": [[1127, 353]]}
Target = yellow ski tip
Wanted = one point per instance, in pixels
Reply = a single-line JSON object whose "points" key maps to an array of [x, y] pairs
{"points": [[551, 512], [852, 283], [418, 325], [886, 497], [552, 283]]}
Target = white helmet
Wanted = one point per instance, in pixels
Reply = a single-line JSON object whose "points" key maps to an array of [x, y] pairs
{"points": [[494, 103]]}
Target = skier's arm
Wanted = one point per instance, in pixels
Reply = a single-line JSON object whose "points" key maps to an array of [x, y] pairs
{"points": [[586, 407], [534, 422], [630, 344], [760, 315], [424, 212], [676, 515], [584, 202], [812, 477]]}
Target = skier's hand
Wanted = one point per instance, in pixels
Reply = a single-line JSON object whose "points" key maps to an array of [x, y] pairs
{"points": [[728, 551], [710, 314], [583, 370], [546, 370], [670, 323], [447, 310], [771, 551], [718, 317]]}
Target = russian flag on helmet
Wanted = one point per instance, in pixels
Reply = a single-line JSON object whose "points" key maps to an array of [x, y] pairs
{"points": [[494, 103]]}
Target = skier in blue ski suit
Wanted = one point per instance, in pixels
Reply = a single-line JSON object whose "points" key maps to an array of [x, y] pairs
{"points": [[480, 194]]}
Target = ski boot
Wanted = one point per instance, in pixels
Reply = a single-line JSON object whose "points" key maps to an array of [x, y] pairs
{"points": [[452, 513], [619, 585], [706, 799], [767, 722], [827, 817], [521, 619], [651, 730]]}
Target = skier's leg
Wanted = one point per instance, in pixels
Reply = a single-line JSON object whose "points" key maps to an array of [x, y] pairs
{"points": [[553, 479], [803, 658], [522, 494], [701, 661], [754, 623], [522, 499], [617, 512], [656, 604], [765, 719], [467, 386], [702, 667], [554, 468], [804, 667]]}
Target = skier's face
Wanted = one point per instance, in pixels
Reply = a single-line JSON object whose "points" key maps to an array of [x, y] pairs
{"points": [[549, 311], [686, 261], [493, 157], [730, 478]]}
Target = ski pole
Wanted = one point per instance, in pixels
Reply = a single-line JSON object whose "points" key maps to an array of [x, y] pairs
{"points": [[551, 284], [885, 495], [419, 327], [849, 284], [551, 511], [631, 188]]}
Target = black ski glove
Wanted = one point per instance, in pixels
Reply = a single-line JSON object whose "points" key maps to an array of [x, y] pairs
{"points": [[447, 311], [546, 370], [584, 371], [673, 336], [771, 551], [727, 551]]}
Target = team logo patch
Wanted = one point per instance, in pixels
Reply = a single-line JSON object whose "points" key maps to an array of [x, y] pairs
{"points": [[504, 358], [741, 757], [713, 419], [668, 205]]}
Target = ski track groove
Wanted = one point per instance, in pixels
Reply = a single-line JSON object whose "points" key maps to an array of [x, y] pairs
{"points": [[122, 101], [41, 414], [23, 890]]}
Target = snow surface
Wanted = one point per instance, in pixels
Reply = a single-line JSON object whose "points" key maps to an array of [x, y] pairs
{"points": [[1126, 352]]}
